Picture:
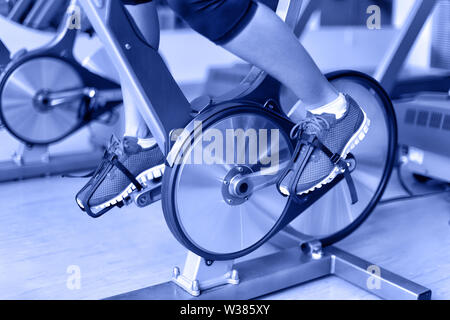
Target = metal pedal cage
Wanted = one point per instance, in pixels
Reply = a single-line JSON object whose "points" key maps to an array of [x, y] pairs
{"points": [[314, 143], [109, 162]]}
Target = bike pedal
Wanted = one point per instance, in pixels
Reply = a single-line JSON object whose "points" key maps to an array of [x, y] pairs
{"points": [[149, 195], [287, 183]]}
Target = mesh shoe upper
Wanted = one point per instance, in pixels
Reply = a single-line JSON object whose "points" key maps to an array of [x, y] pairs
{"points": [[134, 158], [334, 134]]}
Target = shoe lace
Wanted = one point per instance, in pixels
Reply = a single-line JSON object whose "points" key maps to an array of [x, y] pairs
{"points": [[315, 124], [115, 146]]}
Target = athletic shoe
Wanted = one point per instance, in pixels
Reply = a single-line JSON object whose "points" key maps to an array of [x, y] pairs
{"points": [[125, 168], [340, 136]]}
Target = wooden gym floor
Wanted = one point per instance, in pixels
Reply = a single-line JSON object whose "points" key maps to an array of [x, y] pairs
{"points": [[43, 233]]}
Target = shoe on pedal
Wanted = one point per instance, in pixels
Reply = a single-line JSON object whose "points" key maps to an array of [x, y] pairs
{"points": [[126, 167], [311, 167]]}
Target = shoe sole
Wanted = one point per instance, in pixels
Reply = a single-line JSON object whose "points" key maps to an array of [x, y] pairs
{"points": [[354, 141], [143, 178]]}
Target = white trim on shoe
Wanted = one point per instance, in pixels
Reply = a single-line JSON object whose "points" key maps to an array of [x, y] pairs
{"points": [[144, 177]]}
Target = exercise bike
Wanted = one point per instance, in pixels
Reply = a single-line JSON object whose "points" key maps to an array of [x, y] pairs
{"points": [[224, 212], [41, 15], [46, 95]]}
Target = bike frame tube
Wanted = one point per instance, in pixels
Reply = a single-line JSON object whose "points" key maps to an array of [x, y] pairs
{"points": [[157, 95], [142, 70]]}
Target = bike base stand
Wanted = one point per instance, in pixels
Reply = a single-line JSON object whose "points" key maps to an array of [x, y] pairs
{"points": [[200, 275], [265, 275]]}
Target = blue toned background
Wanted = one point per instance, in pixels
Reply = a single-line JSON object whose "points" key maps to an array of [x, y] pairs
{"points": [[46, 242]]}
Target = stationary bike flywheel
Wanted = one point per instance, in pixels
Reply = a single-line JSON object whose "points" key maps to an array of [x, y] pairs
{"points": [[201, 202], [203, 207], [25, 109]]}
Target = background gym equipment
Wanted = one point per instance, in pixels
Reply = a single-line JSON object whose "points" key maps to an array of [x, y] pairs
{"points": [[353, 13], [36, 14], [425, 134], [257, 101], [47, 95], [422, 102]]}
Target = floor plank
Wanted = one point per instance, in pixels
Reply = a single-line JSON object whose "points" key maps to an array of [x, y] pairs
{"points": [[42, 233]]}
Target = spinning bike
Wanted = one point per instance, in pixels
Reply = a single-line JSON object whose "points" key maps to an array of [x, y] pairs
{"points": [[42, 15], [222, 212], [46, 95]]}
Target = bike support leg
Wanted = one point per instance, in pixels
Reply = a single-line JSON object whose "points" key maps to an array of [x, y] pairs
{"points": [[291, 267]]}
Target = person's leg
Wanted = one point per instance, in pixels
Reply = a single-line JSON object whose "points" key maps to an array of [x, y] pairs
{"points": [[268, 43], [135, 125], [137, 154], [145, 17], [339, 122], [256, 34]]}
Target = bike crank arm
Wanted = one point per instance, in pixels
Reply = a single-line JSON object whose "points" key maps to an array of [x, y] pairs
{"points": [[58, 98], [149, 195], [243, 185]]}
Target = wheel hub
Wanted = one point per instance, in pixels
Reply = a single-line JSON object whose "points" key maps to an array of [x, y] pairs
{"points": [[41, 101], [217, 197], [235, 191]]}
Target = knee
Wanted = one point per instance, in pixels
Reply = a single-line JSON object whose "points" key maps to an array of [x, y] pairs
{"points": [[218, 20]]}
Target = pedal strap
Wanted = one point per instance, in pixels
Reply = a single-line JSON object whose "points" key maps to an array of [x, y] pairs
{"points": [[351, 186], [314, 142], [127, 173], [336, 159], [290, 169]]}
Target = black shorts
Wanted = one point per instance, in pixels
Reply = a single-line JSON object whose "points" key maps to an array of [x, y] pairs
{"points": [[218, 20]]}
